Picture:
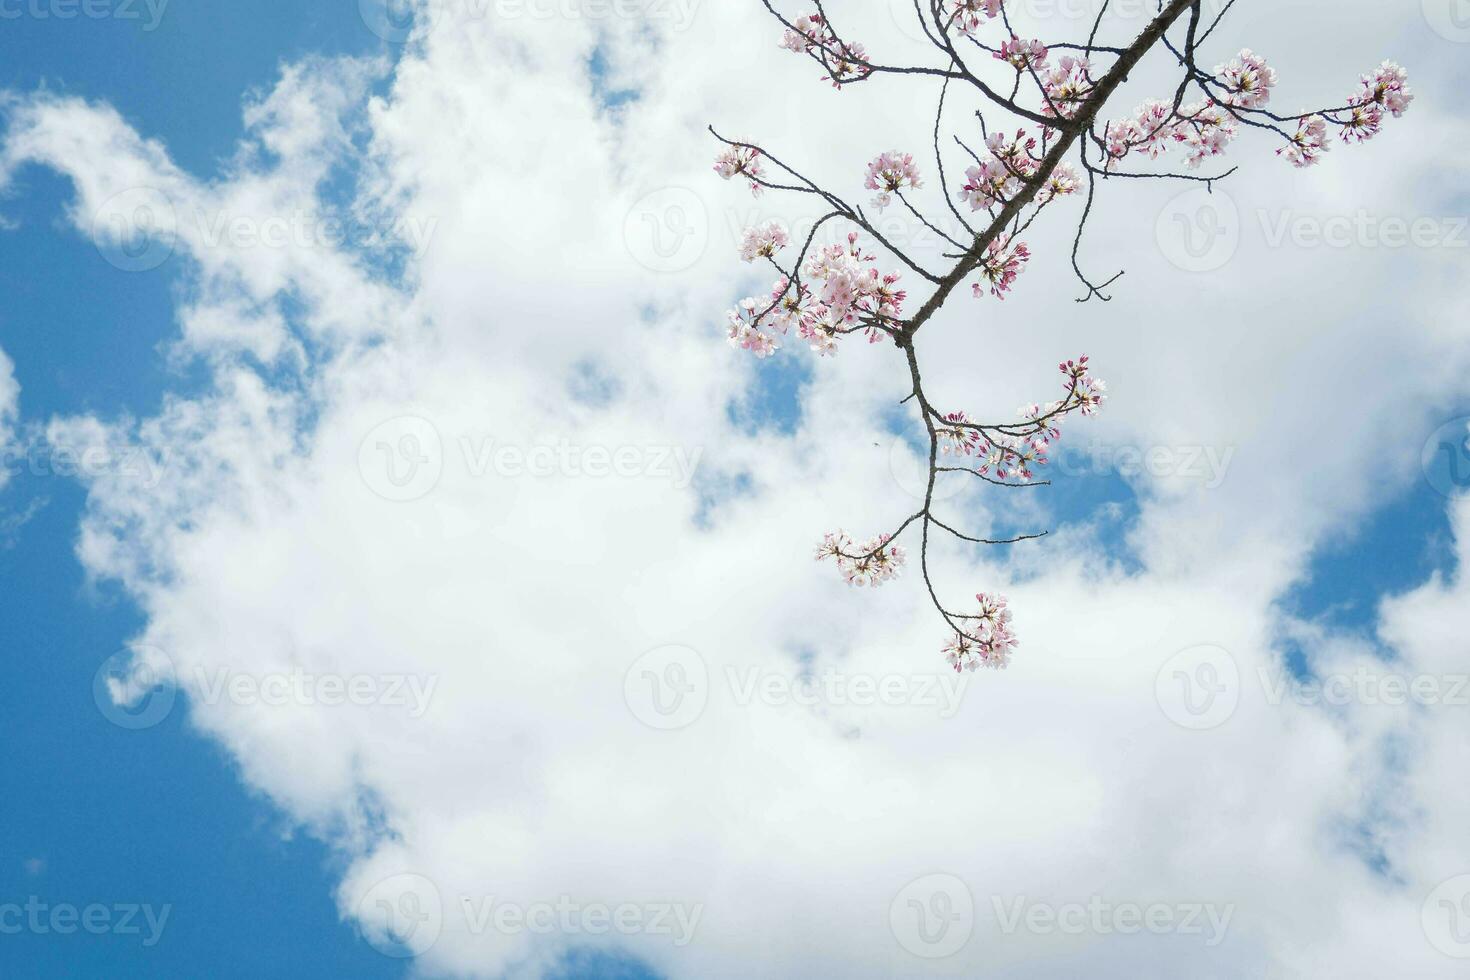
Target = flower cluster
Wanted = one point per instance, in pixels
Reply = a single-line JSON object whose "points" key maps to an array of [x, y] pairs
{"points": [[968, 15], [1011, 451], [1247, 80], [741, 160], [1308, 144], [997, 179], [958, 435], [1001, 264], [1067, 86], [1023, 54], [812, 36], [763, 241], [851, 294], [1384, 90], [986, 639], [870, 562], [1204, 130], [889, 174]]}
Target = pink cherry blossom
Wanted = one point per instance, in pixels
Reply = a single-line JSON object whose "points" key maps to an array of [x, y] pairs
{"points": [[1309, 143], [1002, 263], [889, 174], [1247, 80], [763, 241], [741, 160], [985, 640], [1067, 86], [844, 61], [968, 15], [1023, 54], [871, 562]]}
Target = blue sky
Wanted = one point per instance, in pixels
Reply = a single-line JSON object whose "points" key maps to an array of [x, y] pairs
{"points": [[96, 813]]}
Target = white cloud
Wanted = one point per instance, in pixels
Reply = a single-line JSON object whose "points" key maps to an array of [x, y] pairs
{"points": [[269, 547]]}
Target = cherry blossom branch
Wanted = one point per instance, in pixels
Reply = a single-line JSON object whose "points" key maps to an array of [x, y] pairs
{"points": [[836, 290]]}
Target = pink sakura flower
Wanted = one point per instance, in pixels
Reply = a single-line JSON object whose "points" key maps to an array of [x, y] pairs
{"points": [[968, 15], [1205, 130], [889, 174], [851, 288], [1386, 87], [1063, 181], [844, 61], [1089, 390], [1309, 143], [1385, 90], [741, 160], [984, 639], [1003, 261], [1023, 54], [1067, 86], [869, 563], [956, 437], [744, 328], [1247, 80], [763, 241]]}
